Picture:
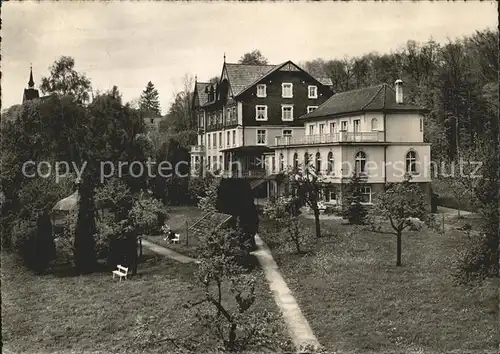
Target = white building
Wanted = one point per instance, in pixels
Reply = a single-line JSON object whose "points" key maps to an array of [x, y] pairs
{"points": [[371, 130]]}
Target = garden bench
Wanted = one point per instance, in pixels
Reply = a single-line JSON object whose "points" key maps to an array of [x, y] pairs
{"points": [[121, 272]]}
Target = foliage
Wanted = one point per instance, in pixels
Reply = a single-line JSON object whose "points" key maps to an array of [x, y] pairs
{"points": [[149, 104], [65, 81], [23, 234], [209, 200], [353, 210], [400, 204], [306, 181], [253, 58], [44, 246], [231, 320], [85, 252], [284, 215]]}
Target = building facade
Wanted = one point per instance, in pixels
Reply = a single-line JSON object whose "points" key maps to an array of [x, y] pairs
{"points": [[370, 131], [241, 115]]}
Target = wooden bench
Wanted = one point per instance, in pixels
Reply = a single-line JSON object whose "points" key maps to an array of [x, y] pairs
{"points": [[121, 272]]}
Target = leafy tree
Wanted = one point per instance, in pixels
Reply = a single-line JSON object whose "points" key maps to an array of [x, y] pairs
{"points": [[254, 57], [149, 102], [228, 311], [400, 204], [66, 81], [306, 182], [281, 211], [353, 210]]}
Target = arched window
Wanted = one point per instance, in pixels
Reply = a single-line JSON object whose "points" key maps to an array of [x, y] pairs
{"points": [[306, 159], [318, 162], [282, 162], [374, 124], [411, 162], [330, 162], [360, 162], [295, 161]]}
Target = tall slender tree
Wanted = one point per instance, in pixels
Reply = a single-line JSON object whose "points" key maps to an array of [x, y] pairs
{"points": [[149, 103]]}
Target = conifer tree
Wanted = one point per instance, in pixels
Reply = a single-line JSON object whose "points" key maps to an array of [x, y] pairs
{"points": [[353, 210], [149, 103]]}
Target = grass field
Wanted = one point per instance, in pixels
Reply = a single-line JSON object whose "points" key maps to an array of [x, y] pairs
{"points": [[96, 314], [357, 300]]}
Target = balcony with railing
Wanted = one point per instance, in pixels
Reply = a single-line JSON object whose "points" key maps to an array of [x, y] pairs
{"points": [[197, 149], [341, 137], [252, 173]]}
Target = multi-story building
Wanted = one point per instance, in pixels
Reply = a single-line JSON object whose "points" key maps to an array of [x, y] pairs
{"points": [[370, 131], [243, 113]]}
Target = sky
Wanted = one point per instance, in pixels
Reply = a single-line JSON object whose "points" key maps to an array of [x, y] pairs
{"points": [[128, 44]]}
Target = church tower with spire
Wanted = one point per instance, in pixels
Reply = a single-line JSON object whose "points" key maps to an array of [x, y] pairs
{"points": [[30, 93]]}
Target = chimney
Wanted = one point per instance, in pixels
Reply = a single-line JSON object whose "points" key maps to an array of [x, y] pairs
{"points": [[398, 86]]}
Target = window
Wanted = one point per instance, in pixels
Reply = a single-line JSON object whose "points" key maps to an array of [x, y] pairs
{"points": [[152, 121], [261, 136], [228, 138], [282, 162], [287, 133], [356, 125], [273, 163], [220, 139], [318, 162], [286, 112], [228, 116], [421, 125], [366, 194], [311, 129], [209, 140], [312, 91], [331, 162], [215, 140], [234, 137], [311, 108], [220, 162], [295, 161], [332, 194], [332, 128], [306, 159], [260, 112], [374, 124], [343, 126], [214, 161], [234, 115], [321, 129], [411, 162], [261, 90], [286, 90], [360, 162], [209, 163]]}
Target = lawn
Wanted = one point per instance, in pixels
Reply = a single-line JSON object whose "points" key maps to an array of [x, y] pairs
{"points": [[94, 313], [357, 300]]}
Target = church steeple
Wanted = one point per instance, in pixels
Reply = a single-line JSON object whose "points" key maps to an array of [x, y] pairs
{"points": [[31, 83]]}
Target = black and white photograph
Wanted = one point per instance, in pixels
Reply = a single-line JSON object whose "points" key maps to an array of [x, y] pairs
{"points": [[250, 177]]}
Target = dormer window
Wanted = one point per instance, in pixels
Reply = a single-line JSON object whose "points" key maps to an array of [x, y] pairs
{"points": [[261, 90], [311, 108], [312, 91], [287, 90]]}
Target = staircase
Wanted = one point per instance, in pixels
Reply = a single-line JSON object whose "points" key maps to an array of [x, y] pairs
{"points": [[208, 223]]}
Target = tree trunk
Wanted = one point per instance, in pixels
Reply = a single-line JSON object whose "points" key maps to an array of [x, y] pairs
{"points": [[316, 220], [398, 249]]}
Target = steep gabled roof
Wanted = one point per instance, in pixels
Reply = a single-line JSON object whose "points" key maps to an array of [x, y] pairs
{"points": [[200, 90], [375, 98], [241, 76]]}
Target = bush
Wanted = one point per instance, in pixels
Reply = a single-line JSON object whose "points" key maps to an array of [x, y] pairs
{"points": [[475, 260], [23, 235]]}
